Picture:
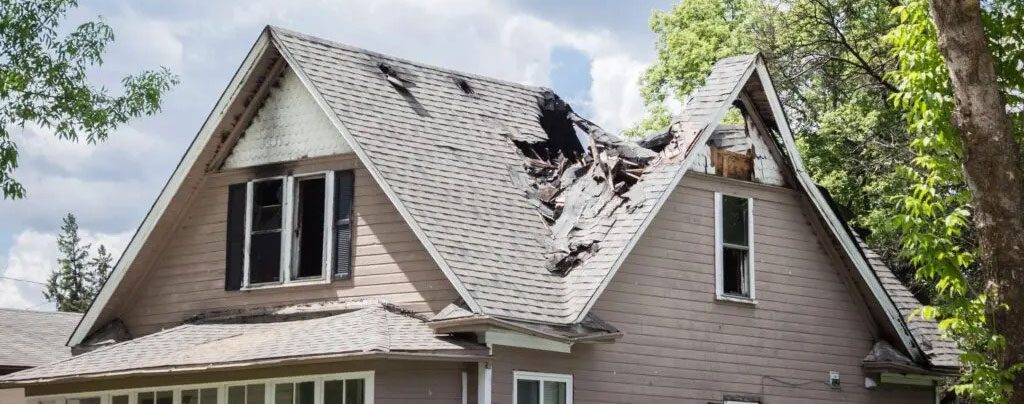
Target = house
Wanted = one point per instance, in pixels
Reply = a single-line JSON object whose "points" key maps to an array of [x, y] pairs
{"points": [[349, 227], [31, 338]]}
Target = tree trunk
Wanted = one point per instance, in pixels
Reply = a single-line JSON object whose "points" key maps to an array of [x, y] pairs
{"points": [[991, 165]]}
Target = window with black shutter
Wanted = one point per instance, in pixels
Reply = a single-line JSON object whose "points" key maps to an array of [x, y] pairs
{"points": [[289, 229]]}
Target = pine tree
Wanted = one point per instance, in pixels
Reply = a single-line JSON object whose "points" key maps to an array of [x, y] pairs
{"points": [[100, 267], [69, 284]]}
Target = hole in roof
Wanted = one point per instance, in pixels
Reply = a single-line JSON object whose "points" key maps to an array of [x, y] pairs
{"points": [[464, 86], [391, 75]]}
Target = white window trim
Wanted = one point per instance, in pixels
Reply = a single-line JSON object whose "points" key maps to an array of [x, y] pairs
{"points": [[541, 377], [222, 389], [719, 244], [288, 192]]}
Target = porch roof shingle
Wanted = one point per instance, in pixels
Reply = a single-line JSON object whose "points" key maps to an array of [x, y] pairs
{"points": [[377, 328], [32, 338]]}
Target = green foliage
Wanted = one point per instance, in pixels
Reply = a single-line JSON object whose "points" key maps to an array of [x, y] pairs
{"points": [[43, 81], [828, 66], [79, 278], [935, 217]]}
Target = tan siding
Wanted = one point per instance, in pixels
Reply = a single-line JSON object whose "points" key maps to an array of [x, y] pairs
{"points": [[683, 346], [188, 277]]}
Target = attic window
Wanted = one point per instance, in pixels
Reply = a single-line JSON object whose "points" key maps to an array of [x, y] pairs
{"points": [[464, 86]]}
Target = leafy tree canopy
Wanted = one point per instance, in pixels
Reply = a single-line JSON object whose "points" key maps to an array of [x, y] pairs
{"points": [[43, 81]]}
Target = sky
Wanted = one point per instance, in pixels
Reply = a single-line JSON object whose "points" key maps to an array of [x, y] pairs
{"points": [[590, 52]]}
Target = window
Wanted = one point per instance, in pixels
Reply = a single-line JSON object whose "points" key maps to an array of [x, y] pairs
{"points": [[734, 248], [345, 388], [542, 388], [288, 229]]}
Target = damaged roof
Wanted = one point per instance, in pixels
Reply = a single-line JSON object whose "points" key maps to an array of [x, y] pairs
{"points": [[270, 337]]}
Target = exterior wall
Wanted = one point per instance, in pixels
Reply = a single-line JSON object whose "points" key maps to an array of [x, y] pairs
{"points": [[395, 381], [683, 346], [12, 396], [188, 277]]}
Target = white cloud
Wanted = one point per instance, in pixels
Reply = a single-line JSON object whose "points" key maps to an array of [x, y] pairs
{"points": [[615, 92], [32, 258]]}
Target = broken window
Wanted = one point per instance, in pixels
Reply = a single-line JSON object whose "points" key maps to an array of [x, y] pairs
{"points": [[310, 222], [288, 230], [265, 234], [734, 247]]}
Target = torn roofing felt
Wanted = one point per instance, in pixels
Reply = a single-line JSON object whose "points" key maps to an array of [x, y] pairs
{"points": [[481, 174]]}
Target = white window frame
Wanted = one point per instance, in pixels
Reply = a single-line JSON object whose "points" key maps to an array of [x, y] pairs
{"points": [[720, 253], [105, 396], [540, 377], [289, 193]]}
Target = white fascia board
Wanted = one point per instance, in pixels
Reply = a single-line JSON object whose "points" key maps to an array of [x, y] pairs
{"points": [[384, 184], [709, 127], [159, 207], [832, 221], [520, 340]]}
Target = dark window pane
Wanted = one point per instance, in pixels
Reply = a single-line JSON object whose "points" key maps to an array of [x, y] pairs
{"points": [[554, 393], [208, 396], [236, 395], [309, 243], [165, 397], [190, 397], [734, 272], [84, 400], [145, 398], [266, 205], [254, 394], [265, 257], [304, 393], [119, 399], [355, 391], [334, 392], [527, 392], [284, 393], [734, 220]]}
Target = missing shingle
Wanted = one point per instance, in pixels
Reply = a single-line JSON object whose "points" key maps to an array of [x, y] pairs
{"points": [[392, 76], [464, 86]]}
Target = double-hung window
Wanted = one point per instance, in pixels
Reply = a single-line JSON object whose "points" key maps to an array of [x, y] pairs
{"points": [[289, 229], [542, 388], [734, 247]]}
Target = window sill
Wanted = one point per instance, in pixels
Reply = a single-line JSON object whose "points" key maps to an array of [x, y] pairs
{"points": [[736, 299], [277, 285]]}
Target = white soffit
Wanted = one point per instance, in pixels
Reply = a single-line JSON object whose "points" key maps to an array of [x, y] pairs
{"points": [[289, 126]]}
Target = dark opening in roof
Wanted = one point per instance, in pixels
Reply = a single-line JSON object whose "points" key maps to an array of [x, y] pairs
{"points": [[392, 75], [464, 86]]}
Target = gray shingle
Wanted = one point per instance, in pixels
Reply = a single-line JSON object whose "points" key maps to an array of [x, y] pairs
{"points": [[32, 338], [375, 328]]}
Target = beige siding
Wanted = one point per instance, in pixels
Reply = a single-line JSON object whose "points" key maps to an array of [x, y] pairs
{"points": [[395, 381], [683, 346], [188, 277]]}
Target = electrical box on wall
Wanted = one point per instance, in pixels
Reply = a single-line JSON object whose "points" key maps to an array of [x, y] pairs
{"points": [[833, 379]]}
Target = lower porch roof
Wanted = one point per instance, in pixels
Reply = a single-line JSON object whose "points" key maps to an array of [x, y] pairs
{"points": [[365, 330]]}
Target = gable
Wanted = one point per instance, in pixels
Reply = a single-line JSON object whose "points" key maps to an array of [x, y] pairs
{"points": [[288, 126], [739, 147]]}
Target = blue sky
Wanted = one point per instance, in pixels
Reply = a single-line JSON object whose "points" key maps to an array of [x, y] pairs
{"points": [[590, 52]]}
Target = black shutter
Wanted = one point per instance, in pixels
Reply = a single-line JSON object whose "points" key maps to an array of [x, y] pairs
{"points": [[343, 188], [236, 237]]}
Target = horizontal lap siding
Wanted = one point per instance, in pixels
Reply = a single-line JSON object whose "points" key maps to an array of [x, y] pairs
{"points": [[188, 277], [683, 346]]}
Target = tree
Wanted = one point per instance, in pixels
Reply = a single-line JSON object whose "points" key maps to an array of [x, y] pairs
{"points": [[43, 81], [830, 70], [69, 284], [79, 278], [960, 87]]}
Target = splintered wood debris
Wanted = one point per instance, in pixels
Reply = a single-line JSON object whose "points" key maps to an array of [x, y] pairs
{"points": [[580, 192]]}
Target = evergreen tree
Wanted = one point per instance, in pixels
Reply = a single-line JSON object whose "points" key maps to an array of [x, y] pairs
{"points": [[69, 284], [100, 267]]}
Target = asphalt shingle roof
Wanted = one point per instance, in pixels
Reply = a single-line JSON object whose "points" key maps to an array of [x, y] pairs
{"points": [[376, 328], [32, 338]]}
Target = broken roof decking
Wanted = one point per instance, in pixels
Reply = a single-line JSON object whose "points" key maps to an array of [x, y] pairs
{"points": [[32, 338], [376, 329]]}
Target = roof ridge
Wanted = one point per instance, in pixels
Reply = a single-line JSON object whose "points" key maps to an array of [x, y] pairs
{"points": [[352, 48], [65, 313]]}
